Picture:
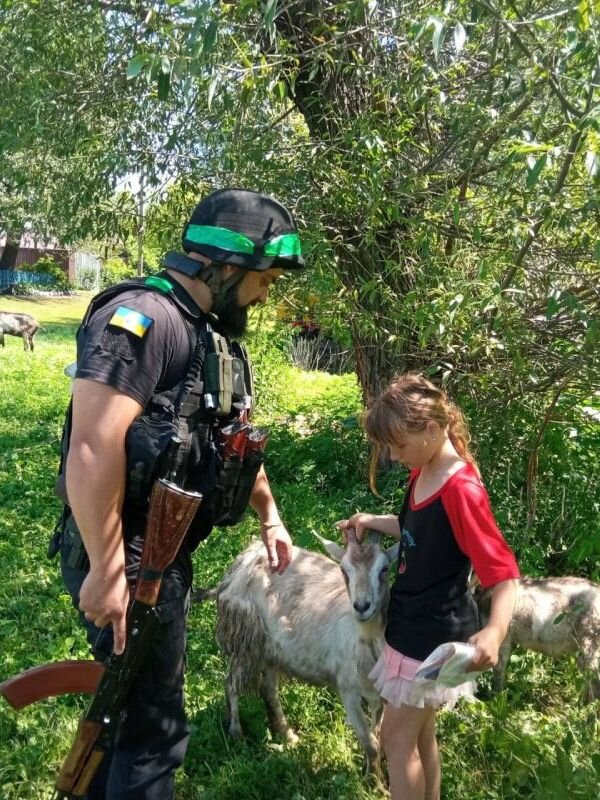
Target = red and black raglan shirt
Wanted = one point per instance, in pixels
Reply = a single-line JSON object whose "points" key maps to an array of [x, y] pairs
{"points": [[441, 538]]}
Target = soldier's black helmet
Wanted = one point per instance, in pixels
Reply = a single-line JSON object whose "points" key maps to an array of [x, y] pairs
{"points": [[244, 228]]}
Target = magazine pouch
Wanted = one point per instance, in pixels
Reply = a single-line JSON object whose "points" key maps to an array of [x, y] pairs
{"points": [[240, 449]]}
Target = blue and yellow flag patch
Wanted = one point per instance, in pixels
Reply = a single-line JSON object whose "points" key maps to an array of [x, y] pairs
{"points": [[131, 321]]}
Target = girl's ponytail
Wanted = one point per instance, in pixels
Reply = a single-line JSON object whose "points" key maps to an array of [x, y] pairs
{"points": [[458, 432]]}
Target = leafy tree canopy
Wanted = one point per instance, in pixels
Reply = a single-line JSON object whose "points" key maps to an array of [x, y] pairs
{"points": [[443, 160]]}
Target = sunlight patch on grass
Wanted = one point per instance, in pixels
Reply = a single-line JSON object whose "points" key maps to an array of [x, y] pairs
{"points": [[57, 310]]}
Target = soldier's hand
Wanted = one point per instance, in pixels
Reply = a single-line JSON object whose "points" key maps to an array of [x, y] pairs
{"points": [[278, 544], [103, 599]]}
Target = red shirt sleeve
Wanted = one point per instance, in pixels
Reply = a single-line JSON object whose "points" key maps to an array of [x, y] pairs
{"points": [[467, 505]]}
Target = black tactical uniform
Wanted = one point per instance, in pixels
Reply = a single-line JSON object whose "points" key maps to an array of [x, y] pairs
{"points": [[141, 340]]}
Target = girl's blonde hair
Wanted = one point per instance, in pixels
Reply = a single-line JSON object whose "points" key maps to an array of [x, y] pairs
{"points": [[406, 406]]}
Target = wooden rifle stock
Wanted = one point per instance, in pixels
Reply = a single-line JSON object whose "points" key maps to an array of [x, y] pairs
{"points": [[169, 516], [170, 513], [51, 680]]}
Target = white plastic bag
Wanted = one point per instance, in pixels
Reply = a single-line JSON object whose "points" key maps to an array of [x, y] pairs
{"points": [[447, 666]]}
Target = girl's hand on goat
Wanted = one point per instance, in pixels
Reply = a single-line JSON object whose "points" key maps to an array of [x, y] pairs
{"points": [[487, 643], [489, 639], [278, 544], [360, 522]]}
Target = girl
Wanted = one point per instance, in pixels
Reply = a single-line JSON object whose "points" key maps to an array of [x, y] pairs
{"points": [[445, 526]]}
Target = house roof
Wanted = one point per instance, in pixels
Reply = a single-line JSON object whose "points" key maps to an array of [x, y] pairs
{"points": [[28, 240]]}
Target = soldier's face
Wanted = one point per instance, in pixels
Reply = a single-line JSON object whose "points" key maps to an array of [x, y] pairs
{"points": [[232, 307], [254, 286]]}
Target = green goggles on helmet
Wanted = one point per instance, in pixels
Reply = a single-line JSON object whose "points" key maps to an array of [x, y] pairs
{"points": [[285, 246]]}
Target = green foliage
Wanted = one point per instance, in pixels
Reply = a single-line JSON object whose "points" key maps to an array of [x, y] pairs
{"points": [[48, 266], [114, 270], [167, 215], [534, 740]]}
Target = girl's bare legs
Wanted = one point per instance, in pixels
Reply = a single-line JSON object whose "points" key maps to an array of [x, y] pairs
{"points": [[410, 747], [430, 757]]}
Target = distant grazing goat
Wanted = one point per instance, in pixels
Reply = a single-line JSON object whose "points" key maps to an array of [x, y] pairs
{"points": [[318, 622], [555, 616], [22, 325]]}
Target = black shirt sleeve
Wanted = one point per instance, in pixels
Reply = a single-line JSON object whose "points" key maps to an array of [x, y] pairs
{"points": [[133, 343]]}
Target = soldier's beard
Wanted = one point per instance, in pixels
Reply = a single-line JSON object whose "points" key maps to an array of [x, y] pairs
{"points": [[233, 318]]}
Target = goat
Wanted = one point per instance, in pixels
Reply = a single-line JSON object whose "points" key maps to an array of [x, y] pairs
{"points": [[554, 616], [23, 325], [317, 622]]}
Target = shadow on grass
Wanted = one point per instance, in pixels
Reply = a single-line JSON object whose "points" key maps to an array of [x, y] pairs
{"points": [[218, 767], [329, 449]]}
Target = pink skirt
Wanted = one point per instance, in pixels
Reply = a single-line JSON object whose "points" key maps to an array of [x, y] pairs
{"points": [[393, 676]]}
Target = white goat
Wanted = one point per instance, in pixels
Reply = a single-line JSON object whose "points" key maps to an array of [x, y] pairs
{"points": [[318, 622], [554, 616]]}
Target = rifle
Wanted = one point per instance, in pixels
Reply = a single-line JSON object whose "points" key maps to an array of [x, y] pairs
{"points": [[170, 513]]}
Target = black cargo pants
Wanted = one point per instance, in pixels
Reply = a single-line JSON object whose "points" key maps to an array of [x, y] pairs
{"points": [[152, 736]]}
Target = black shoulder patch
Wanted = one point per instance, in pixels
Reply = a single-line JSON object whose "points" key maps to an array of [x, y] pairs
{"points": [[120, 343]]}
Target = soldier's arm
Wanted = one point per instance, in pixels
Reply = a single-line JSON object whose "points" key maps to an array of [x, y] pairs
{"points": [[96, 486], [274, 534]]}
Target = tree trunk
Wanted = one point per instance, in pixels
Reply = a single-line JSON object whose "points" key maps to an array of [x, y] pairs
{"points": [[10, 252], [328, 98], [373, 375]]}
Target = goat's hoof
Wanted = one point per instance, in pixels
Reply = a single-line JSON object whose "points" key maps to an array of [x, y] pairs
{"points": [[235, 732], [372, 763], [374, 772]]}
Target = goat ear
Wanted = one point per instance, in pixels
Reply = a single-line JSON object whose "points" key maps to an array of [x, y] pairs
{"points": [[392, 552], [333, 548]]}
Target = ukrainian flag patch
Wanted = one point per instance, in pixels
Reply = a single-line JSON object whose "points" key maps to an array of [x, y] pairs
{"points": [[131, 321]]}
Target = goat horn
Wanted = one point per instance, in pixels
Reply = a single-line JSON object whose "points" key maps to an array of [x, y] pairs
{"points": [[333, 548], [351, 536]]}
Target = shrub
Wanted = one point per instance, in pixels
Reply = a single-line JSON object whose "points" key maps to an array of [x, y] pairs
{"points": [[114, 270], [48, 266], [87, 279]]}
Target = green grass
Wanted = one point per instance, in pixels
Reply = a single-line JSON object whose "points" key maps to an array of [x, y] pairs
{"points": [[535, 741]]}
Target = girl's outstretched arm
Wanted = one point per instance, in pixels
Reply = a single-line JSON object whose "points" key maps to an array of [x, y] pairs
{"points": [[489, 639], [382, 523]]}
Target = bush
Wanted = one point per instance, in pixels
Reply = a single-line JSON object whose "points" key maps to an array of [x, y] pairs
{"points": [[48, 266], [115, 270], [26, 289], [87, 279]]}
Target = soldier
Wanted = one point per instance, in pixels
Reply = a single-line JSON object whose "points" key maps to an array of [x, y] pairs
{"points": [[155, 358]]}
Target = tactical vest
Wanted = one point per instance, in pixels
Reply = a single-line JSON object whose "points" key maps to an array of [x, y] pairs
{"points": [[206, 410]]}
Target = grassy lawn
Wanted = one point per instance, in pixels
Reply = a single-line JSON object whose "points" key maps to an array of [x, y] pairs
{"points": [[535, 741]]}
